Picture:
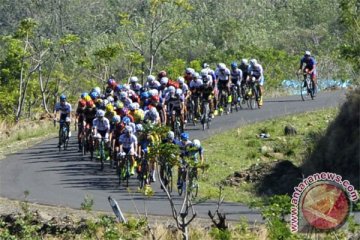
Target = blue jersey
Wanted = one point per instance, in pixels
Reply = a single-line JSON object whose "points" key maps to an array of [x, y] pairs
{"points": [[309, 62]]}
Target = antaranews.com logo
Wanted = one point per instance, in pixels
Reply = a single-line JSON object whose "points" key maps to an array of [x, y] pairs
{"points": [[321, 201]]}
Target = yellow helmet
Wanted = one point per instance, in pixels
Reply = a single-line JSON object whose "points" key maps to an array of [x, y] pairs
{"points": [[109, 107]]}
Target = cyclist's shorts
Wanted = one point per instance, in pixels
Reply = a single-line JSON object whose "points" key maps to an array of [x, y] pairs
{"points": [[102, 134], [222, 84], [127, 150]]}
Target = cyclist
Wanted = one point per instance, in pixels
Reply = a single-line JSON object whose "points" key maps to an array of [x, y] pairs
{"points": [[128, 145], [134, 85], [101, 129], [256, 72], [223, 80], [189, 72], [65, 118], [152, 116], [310, 68], [194, 85], [236, 77], [210, 72], [183, 144], [206, 91], [174, 105], [80, 119], [136, 113], [244, 67], [185, 89], [152, 83]]}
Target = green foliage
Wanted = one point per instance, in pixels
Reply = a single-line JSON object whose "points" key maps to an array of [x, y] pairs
{"points": [[87, 204], [220, 234]]}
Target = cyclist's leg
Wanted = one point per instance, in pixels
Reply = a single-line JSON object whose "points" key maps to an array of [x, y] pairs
{"points": [[314, 79]]}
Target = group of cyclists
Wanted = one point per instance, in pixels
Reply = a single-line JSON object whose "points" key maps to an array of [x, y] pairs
{"points": [[118, 113]]}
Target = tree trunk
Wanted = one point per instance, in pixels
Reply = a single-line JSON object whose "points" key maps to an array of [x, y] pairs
{"points": [[43, 96]]}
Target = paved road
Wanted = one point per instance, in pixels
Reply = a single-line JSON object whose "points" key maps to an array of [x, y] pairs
{"points": [[65, 178]]}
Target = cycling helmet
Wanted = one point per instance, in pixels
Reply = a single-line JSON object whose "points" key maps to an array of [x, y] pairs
{"points": [[234, 65], [94, 95], [155, 98], [132, 107], [205, 65], [82, 103], [153, 112], [253, 62], [126, 120], [196, 143], [180, 80], [199, 82], [110, 99], [162, 74], [84, 94], [111, 82], [103, 102], [119, 105], [307, 53], [123, 95], [184, 136], [109, 107], [124, 111], [100, 113], [189, 71], [204, 73], [118, 88], [134, 79], [136, 105], [196, 75], [244, 61], [128, 130], [222, 66], [150, 78], [116, 119], [170, 135], [179, 92], [62, 98], [139, 127], [164, 80], [98, 90], [172, 89], [144, 95], [90, 104]]}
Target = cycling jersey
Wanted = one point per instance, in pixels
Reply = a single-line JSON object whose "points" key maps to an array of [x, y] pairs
{"points": [[101, 125], [64, 110], [257, 72], [309, 62], [90, 115], [206, 91], [236, 76], [80, 114], [244, 68], [223, 75], [153, 85], [128, 142]]}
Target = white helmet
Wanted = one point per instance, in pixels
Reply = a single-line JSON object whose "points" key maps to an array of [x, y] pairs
{"points": [[151, 78], [164, 80], [98, 90], [222, 66], [132, 107], [196, 75], [172, 89], [253, 61], [179, 92], [189, 70], [136, 105], [307, 53], [180, 80], [204, 72], [244, 61], [170, 135], [196, 143], [100, 113], [153, 92], [134, 79], [128, 129], [205, 65]]}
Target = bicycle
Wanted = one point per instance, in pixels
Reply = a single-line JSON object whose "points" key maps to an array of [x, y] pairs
{"points": [[101, 151], [307, 87], [123, 167], [89, 145], [63, 134], [166, 174], [234, 97], [223, 102], [251, 95], [188, 180], [205, 112], [143, 170]]}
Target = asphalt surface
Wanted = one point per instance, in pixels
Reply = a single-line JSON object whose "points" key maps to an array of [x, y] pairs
{"points": [[65, 178]]}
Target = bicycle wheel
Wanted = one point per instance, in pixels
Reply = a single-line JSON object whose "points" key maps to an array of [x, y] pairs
{"points": [[311, 89], [303, 90], [102, 154], [169, 178], [127, 174], [65, 138]]}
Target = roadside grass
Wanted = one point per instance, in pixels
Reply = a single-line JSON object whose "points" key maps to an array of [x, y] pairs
{"points": [[238, 149], [23, 135]]}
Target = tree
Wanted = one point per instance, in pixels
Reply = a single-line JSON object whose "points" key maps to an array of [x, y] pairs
{"points": [[151, 24]]}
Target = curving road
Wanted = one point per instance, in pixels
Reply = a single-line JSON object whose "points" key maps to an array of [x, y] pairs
{"points": [[65, 178]]}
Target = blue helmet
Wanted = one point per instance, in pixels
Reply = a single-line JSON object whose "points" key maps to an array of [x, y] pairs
{"points": [[118, 88], [94, 95], [126, 120], [62, 98], [144, 95], [184, 136], [84, 94], [234, 65]]}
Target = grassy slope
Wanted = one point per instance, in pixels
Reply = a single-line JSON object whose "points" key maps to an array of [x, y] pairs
{"points": [[238, 149]]}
